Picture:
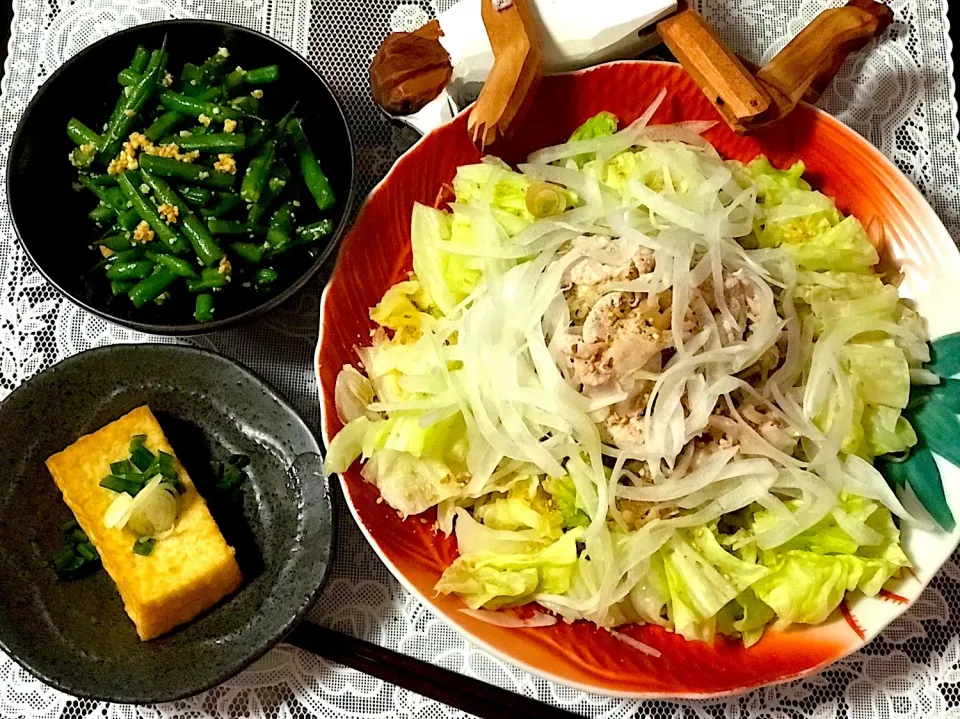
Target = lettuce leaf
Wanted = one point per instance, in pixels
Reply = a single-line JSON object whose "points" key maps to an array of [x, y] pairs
{"points": [[843, 247], [810, 574], [886, 431], [772, 183], [702, 578], [493, 571], [401, 309], [410, 484], [346, 446], [603, 124], [879, 376], [649, 598], [495, 185], [564, 494], [447, 278], [521, 509]]}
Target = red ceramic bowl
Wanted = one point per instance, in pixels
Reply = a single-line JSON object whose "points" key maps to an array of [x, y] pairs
{"points": [[376, 254]]}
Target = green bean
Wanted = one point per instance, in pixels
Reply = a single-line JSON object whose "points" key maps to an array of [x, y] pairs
{"points": [[190, 72], [257, 173], [207, 94], [164, 124], [151, 287], [197, 174], [233, 80], [136, 270], [275, 185], [121, 287], [196, 196], [194, 88], [313, 232], [116, 243], [281, 223], [227, 201], [112, 197], [128, 76], [214, 65], [173, 239], [195, 107], [313, 176], [135, 102], [127, 256], [204, 244], [117, 114], [262, 75], [115, 197], [128, 219], [248, 251], [234, 227], [246, 103], [176, 265], [102, 179], [257, 133], [266, 276], [203, 311], [210, 279], [101, 213], [219, 142], [81, 134], [82, 157], [141, 58]]}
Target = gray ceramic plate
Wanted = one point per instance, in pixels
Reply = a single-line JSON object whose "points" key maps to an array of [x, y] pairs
{"points": [[75, 634]]}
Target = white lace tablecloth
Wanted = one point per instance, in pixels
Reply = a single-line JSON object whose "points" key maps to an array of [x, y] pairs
{"points": [[899, 94]]}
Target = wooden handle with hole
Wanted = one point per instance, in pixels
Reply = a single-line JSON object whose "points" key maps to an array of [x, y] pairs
{"points": [[731, 88], [804, 68], [747, 97]]}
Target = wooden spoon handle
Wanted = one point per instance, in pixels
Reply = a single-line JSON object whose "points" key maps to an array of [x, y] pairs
{"points": [[804, 68], [731, 88], [801, 71], [517, 69]]}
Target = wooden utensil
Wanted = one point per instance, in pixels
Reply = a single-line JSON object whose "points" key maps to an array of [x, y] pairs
{"points": [[517, 69], [801, 71]]}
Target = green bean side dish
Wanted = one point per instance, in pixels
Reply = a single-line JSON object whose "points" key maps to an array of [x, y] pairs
{"points": [[165, 172]]}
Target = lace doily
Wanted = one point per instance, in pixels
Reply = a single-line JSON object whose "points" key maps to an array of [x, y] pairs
{"points": [[899, 94]]}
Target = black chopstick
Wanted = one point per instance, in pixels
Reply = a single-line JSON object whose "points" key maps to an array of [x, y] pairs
{"points": [[459, 691]]}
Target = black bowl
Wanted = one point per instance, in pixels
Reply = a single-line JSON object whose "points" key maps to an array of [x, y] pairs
{"points": [[74, 634], [51, 220]]}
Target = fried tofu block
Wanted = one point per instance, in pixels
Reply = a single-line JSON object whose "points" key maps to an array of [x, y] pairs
{"points": [[188, 571]]}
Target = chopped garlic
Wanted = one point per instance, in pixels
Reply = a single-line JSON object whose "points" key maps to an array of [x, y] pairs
{"points": [[225, 163], [143, 233]]}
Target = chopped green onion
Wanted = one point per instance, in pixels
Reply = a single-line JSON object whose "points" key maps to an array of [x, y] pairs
{"points": [[68, 526], [120, 484], [143, 547], [136, 441], [231, 474], [123, 467], [87, 551], [142, 458], [62, 558]]}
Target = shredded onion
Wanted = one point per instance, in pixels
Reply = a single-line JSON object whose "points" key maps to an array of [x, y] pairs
{"points": [[510, 620], [636, 644]]}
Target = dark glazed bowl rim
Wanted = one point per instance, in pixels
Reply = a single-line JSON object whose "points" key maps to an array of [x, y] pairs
{"points": [[283, 629], [186, 330]]}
